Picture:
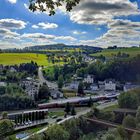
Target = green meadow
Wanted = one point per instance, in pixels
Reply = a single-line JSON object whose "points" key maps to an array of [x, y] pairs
{"points": [[110, 52], [18, 58]]}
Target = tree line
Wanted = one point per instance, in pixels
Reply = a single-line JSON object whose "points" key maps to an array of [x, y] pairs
{"points": [[118, 69]]}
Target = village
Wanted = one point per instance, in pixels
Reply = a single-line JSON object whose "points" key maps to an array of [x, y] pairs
{"points": [[31, 85]]}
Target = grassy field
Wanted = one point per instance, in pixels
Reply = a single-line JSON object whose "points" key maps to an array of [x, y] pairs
{"points": [[109, 52], [57, 113], [111, 108], [18, 58]]}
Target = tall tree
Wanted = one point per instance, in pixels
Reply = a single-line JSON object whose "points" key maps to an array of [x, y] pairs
{"points": [[122, 132], [129, 121], [90, 102], [81, 89], [56, 72], [4, 115], [73, 112], [44, 92], [57, 132], [67, 108], [6, 127], [60, 82], [72, 126], [128, 100]]}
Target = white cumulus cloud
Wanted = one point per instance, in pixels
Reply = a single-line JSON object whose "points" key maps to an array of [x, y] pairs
{"points": [[79, 32], [12, 1], [123, 33], [102, 11], [45, 25], [45, 37], [12, 24]]}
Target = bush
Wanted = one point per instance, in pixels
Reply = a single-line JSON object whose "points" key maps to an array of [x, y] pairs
{"points": [[128, 100], [57, 132], [129, 121], [6, 127]]}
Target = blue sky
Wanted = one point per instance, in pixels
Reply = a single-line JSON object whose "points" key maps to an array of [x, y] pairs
{"points": [[93, 22]]}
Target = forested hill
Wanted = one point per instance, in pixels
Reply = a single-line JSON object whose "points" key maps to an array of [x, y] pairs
{"points": [[62, 46]]}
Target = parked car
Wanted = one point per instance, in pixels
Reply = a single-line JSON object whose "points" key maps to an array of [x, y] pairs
{"points": [[30, 122], [26, 123]]}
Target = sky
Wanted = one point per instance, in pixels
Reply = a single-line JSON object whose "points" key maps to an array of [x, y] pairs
{"points": [[99, 23]]}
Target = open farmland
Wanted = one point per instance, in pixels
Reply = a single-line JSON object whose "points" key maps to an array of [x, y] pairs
{"points": [[18, 58], [110, 52]]}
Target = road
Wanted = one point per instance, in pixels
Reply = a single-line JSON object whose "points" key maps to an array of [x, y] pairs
{"points": [[42, 80], [54, 122], [102, 106], [50, 120]]}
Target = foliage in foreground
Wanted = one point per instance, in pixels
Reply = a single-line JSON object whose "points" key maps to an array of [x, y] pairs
{"points": [[6, 127], [130, 99], [51, 6]]}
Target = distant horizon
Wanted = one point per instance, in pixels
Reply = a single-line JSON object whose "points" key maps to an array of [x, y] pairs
{"points": [[68, 45]]}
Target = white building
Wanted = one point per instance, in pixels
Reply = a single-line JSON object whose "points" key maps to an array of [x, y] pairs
{"points": [[74, 85], [128, 86], [87, 58], [94, 87], [31, 87], [2, 84], [55, 94], [89, 79], [12, 69], [1, 67], [110, 85]]}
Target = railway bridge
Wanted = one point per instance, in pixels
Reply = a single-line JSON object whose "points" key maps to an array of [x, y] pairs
{"points": [[109, 124]]}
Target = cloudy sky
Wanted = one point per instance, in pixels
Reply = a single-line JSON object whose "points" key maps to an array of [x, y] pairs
{"points": [[99, 23]]}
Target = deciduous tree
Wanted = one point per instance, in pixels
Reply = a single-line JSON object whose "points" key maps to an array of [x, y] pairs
{"points": [[67, 108], [129, 121], [6, 127], [57, 132], [44, 92], [73, 112], [60, 82], [81, 89]]}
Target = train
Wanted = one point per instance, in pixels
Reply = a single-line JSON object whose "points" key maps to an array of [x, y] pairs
{"points": [[77, 102]]}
